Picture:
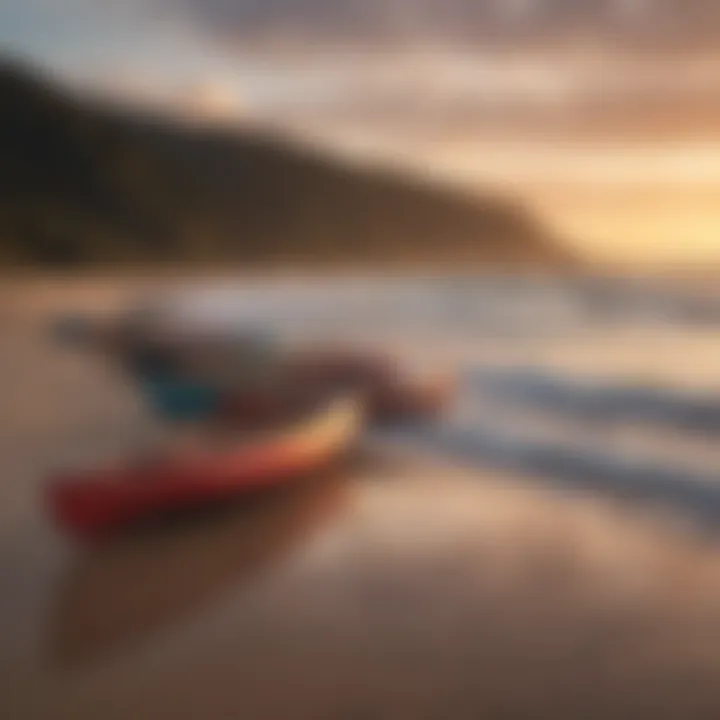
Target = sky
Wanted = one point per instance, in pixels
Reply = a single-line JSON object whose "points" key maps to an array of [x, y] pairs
{"points": [[266, 55]]}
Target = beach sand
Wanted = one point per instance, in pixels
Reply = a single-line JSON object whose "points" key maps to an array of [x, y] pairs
{"points": [[406, 586]]}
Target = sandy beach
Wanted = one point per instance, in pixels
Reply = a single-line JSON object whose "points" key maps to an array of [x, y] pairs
{"points": [[410, 585]]}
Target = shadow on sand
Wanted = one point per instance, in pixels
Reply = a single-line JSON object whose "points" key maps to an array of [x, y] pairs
{"points": [[126, 590]]}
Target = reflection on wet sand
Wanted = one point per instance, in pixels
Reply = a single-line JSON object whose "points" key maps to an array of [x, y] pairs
{"points": [[122, 592]]}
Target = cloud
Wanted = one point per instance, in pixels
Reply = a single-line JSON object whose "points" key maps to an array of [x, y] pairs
{"points": [[238, 25], [223, 57], [510, 21]]}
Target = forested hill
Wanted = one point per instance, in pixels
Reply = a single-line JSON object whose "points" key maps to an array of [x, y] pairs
{"points": [[82, 184]]}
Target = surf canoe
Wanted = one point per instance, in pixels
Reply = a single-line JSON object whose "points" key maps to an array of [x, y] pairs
{"points": [[388, 398], [94, 503]]}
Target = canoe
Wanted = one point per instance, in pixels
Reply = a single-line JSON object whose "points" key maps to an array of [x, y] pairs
{"points": [[175, 398], [94, 503], [389, 396]]}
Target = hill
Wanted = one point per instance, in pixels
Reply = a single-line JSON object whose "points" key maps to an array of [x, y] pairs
{"points": [[82, 184]]}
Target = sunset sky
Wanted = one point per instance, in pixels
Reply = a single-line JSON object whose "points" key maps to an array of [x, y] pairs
{"points": [[579, 105], [363, 53]]}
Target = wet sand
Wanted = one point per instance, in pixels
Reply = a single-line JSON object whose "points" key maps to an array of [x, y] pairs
{"points": [[405, 586]]}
